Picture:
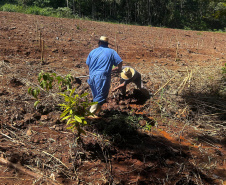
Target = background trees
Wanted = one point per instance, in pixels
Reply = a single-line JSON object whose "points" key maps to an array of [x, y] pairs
{"points": [[183, 14]]}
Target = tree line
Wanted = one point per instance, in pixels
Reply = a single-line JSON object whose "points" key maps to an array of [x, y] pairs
{"points": [[181, 14]]}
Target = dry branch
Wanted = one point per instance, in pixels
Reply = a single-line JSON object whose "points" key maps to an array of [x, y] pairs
{"points": [[164, 84], [56, 159], [186, 79], [14, 141]]}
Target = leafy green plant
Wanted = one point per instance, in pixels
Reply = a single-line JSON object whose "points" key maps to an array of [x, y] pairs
{"points": [[224, 76], [46, 80], [75, 109], [11, 8], [34, 92], [63, 12], [147, 126], [224, 70], [65, 82]]}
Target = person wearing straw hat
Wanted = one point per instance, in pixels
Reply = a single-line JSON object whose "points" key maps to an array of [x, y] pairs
{"points": [[130, 75], [100, 62]]}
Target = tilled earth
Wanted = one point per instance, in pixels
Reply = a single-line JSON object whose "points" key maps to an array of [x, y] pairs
{"points": [[36, 147]]}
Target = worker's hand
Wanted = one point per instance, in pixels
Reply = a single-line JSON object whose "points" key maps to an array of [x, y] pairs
{"points": [[113, 90]]}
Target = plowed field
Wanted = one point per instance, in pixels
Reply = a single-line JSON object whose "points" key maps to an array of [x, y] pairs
{"points": [[171, 137]]}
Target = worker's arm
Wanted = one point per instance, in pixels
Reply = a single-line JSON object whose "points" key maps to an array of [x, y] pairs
{"points": [[118, 68], [121, 85]]}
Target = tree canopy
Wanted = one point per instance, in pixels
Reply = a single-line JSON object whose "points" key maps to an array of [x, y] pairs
{"points": [[182, 14]]}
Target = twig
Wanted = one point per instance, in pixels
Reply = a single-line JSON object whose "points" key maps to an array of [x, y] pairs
{"points": [[56, 159], [184, 110], [181, 132], [188, 78], [195, 165], [185, 79], [15, 178], [177, 51], [42, 51], [40, 40], [82, 76], [164, 85], [215, 114], [14, 141]]}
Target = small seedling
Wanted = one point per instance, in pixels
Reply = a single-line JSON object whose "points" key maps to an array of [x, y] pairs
{"points": [[224, 69], [75, 109], [65, 81], [46, 80], [34, 93]]}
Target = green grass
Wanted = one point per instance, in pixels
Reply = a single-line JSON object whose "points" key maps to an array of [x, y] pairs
{"points": [[47, 11]]}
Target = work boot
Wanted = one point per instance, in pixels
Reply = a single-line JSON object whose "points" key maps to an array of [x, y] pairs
{"points": [[95, 109]]}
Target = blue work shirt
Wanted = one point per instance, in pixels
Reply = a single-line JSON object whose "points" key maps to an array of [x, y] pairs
{"points": [[100, 62]]}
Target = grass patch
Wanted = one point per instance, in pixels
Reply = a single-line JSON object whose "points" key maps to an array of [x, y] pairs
{"points": [[47, 11]]}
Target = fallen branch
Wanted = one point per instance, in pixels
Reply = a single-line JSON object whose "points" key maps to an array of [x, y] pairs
{"points": [[15, 178]]}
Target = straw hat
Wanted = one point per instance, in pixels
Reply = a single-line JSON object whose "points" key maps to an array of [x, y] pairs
{"points": [[127, 73], [104, 39]]}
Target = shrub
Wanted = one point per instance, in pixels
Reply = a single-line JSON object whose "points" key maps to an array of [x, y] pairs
{"points": [[75, 107], [63, 12], [33, 10], [224, 71], [47, 11], [9, 8]]}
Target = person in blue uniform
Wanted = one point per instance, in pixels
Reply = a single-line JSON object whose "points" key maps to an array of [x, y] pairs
{"points": [[100, 62]]}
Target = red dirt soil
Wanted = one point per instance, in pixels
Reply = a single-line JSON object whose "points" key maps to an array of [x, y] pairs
{"points": [[37, 147]]}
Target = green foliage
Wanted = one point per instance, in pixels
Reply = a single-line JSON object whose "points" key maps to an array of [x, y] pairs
{"points": [[11, 8], [224, 69], [34, 92], [24, 2], [121, 126], [182, 14], [224, 73], [41, 3], [63, 12], [33, 10], [29, 10], [40, 11], [46, 80], [220, 10], [75, 109], [147, 126], [65, 82]]}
